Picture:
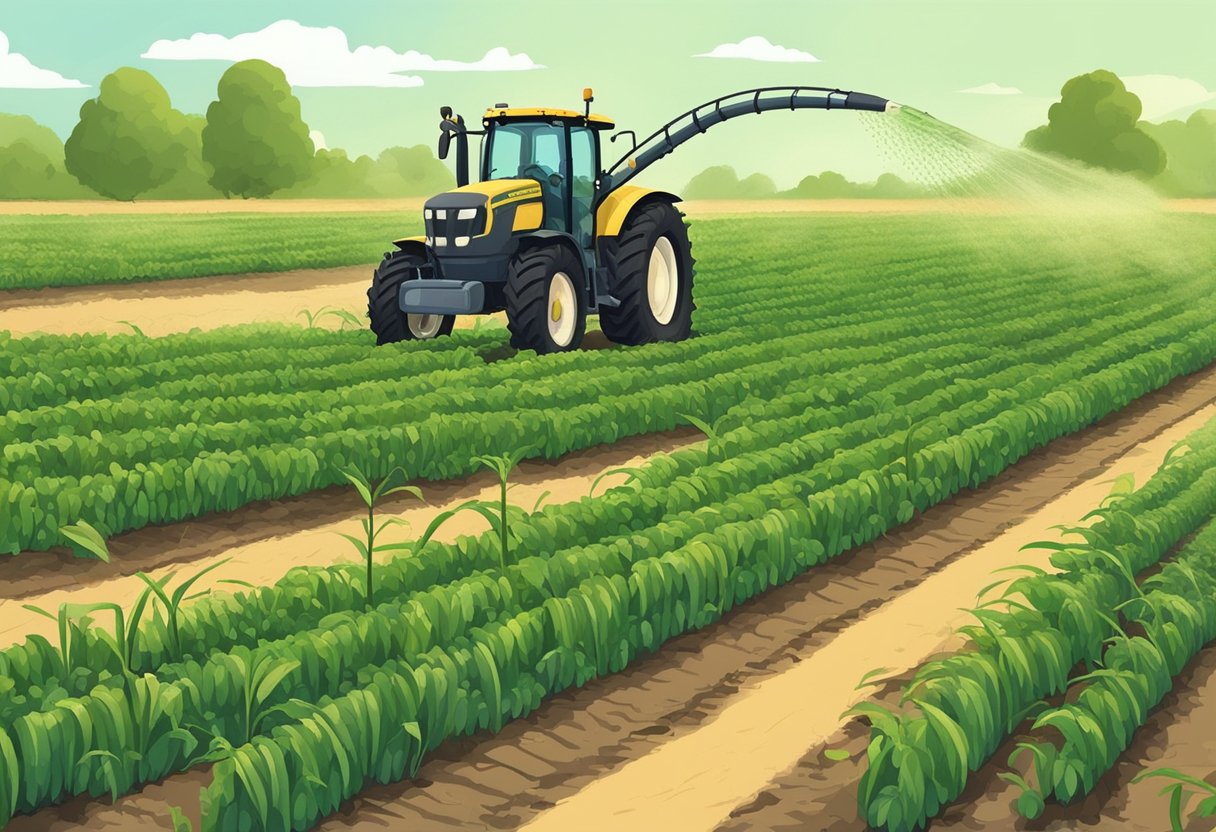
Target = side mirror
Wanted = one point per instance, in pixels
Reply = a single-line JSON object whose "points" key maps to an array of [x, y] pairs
{"points": [[445, 141]]}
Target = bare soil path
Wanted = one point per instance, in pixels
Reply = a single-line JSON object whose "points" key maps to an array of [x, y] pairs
{"points": [[264, 540], [890, 603], [168, 306]]}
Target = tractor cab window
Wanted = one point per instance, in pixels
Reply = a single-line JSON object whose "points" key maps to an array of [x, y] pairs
{"points": [[533, 150]]}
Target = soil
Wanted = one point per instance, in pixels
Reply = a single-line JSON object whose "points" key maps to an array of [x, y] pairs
{"points": [[263, 540], [168, 306], [728, 725]]}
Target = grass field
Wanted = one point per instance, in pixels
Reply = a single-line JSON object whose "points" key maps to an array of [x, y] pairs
{"points": [[848, 377]]}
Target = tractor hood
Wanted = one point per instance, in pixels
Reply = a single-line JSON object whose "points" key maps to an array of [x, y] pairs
{"points": [[494, 193]]}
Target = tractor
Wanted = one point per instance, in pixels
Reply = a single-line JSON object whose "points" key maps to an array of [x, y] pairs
{"points": [[551, 236]]}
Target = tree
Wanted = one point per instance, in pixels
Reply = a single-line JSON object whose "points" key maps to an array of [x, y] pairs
{"points": [[192, 179], [721, 182], [412, 171], [127, 139], [255, 140], [1095, 122], [1190, 149], [15, 128]]}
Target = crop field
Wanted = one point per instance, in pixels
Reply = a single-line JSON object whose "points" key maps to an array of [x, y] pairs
{"points": [[41, 251], [853, 378], [1130, 602]]}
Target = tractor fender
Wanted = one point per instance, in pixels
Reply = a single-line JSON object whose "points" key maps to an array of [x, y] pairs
{"points": [[406, 243], [612, 213], [547, 236]]}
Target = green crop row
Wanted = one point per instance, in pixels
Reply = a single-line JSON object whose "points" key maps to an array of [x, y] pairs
{"points": [[160, 246], [1176, 611], [171, 474], [958, 709], [596, 628], [681, 574], [886, 386]]}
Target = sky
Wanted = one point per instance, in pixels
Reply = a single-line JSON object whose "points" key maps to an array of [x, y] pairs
{"points": [[371, 74]]}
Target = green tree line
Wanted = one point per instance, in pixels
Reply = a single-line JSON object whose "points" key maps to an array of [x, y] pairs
{"points": [[253, 142]]}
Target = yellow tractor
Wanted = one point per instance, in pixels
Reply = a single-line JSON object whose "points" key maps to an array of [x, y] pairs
{"points": [[551, 236]]}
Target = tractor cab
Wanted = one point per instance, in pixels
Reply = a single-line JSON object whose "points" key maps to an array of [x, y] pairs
{"points": [[557, 149]]}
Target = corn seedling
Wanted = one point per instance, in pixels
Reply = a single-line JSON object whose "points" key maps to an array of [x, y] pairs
{"points": [[1181, 790], [72, 621], [713, 447], [134, 329], [371, 495], [346, 318], [631, 473], [312, 318], [173, 603], [502, 466]]}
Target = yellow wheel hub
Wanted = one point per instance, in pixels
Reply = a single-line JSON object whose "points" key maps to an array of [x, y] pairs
{"points": [[556, 312]]}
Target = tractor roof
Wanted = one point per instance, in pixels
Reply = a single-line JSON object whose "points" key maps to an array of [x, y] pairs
{"points": [[508, 114]]}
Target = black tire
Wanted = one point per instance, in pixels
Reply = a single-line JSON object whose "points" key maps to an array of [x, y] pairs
{"points": [[387, 320], [530, 277], [635, 321]]}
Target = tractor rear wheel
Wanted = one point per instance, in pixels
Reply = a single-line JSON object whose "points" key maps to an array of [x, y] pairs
{"points": [[651, 274], [383, 307], [546, 299]]}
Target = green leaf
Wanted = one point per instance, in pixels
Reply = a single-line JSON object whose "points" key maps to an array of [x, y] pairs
{"points": [[87, 538], [836, 754]]}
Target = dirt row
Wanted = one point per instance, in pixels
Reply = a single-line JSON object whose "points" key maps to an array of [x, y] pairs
{"points": [[719, 721], [263, 540]]}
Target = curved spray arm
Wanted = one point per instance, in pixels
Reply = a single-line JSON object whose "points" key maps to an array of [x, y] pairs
{"points": [[747, 102]]}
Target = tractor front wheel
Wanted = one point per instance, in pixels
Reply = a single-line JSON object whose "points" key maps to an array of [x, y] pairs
{"points": [[650, 273], [383, 305], [546, 299]]}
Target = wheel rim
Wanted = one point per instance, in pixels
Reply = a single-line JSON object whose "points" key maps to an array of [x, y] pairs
{"points": [[424, 326], [663, 281], [562, 310]]}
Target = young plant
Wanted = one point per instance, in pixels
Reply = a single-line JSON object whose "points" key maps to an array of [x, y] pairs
{"points": [[503, 466], [173, 603], [713, 448], [372, 494], [1182, 788], [88, 540], [70, 618], [631, 473], [312, 318]]}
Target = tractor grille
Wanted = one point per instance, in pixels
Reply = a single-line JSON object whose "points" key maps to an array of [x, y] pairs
{"points": [[453, 227]]}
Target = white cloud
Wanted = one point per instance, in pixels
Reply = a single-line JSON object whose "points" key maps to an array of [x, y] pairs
{"points": [[318, 139], [757, 48], [1165, 95], [16, 72], [315, 56], [992, 89]]}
